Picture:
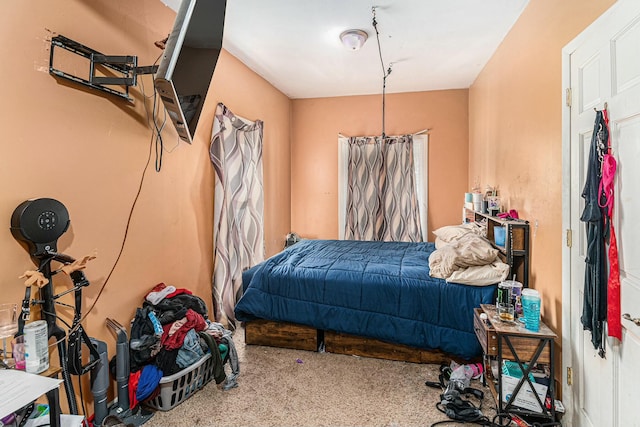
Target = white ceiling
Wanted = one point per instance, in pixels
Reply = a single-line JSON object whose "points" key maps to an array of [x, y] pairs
{"points": [[430, 44]]}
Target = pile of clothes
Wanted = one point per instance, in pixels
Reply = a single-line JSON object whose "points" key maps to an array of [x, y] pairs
{"points": [[171, 332]]}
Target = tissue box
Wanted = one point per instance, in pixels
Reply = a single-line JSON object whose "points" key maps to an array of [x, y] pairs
{"points": [[512, 369]]}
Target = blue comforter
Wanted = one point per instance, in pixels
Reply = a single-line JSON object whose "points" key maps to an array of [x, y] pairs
{"points": [[380, 290]]}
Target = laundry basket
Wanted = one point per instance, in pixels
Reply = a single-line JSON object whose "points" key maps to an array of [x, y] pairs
{"points": [[178, 387]]}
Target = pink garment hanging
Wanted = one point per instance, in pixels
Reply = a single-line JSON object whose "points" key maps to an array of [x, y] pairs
{"points": [[609, 165]]}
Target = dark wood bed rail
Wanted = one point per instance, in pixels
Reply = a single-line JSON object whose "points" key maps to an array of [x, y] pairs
{"points": [[300, 337]]}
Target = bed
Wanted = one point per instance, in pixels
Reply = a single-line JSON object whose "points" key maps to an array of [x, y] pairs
{"points": [[379, 291]]}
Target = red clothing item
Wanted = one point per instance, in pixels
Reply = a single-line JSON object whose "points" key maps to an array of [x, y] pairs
{"points": [[614, 323], [134, 377], [607, 186], [175, 341], [157, 288]]}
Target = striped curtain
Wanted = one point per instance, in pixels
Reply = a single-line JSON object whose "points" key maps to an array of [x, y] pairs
{"points": [[381, 190], [236, 154]]}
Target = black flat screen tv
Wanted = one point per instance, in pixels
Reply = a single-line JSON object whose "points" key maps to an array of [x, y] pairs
{"points": [[189, 60]]}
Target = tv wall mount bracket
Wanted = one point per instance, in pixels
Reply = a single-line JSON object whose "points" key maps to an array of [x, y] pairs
{"points": [[124, 67]]}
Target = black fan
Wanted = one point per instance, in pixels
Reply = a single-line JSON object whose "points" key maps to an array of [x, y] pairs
{"points": [[40, 223]]}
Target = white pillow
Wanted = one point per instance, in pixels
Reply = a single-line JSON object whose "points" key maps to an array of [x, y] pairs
{"points": [[442, 262], [449, 233], [474, 250], [440, 243], [480, 275]]}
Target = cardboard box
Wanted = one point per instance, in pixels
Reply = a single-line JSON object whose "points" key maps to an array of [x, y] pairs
{"points": [[525, 398], [65, 421]]}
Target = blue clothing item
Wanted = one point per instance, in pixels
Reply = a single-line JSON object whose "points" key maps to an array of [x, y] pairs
{"points": [[148, 382], [190, 352], [157, 327]]}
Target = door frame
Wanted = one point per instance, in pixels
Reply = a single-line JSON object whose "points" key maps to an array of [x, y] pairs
{"points": [[620, 7], [567, 347]]}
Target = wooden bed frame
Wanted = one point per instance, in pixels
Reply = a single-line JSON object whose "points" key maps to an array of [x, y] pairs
{"points": [[300, 337]]}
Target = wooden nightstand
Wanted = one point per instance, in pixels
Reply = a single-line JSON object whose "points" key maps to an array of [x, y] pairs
{"points": [[502, 341]]}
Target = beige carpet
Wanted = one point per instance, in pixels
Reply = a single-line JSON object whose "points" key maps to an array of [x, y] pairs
{"points": [[282, 387]]}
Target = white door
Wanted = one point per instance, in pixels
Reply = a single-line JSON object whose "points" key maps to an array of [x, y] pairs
{"points": [[604, 65]]}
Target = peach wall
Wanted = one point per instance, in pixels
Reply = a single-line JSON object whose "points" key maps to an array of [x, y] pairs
{"points": [[515, 139], [314, 151], [88, 150]]}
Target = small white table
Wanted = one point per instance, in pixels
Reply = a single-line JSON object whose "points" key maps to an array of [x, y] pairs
{"points": [[19, 388]]}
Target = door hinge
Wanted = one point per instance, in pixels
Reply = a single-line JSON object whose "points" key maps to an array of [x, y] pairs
{"points": [[569, 238], [569, 376], [568, 97]]}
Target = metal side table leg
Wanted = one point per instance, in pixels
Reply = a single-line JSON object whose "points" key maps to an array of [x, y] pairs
{"points": [[54, 407]]}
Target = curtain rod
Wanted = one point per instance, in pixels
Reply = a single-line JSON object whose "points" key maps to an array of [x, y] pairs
{"points": [[414, 134]]}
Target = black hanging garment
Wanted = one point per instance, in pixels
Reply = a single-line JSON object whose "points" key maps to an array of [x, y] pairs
{"points": [[594, 311]]}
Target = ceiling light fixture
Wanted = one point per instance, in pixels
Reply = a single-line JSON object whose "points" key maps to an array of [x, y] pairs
{"points": [[353, 39]]}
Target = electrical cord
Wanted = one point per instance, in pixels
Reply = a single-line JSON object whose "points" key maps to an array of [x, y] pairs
{"points": [[126, 231], [473, 418], [155, 136], [385, 72], [159, 142], [152, 118], [84, 410], [461, 411], [375, 27]]}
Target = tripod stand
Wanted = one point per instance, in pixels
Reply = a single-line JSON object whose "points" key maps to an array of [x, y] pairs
{"points": [[39, 223], [70, 357]]}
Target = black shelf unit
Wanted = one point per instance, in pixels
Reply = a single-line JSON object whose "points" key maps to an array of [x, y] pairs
{"points": [[515, 251]]}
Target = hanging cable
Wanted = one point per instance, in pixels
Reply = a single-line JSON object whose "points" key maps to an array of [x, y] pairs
{"points": [[155, 134], [385, 71]]}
